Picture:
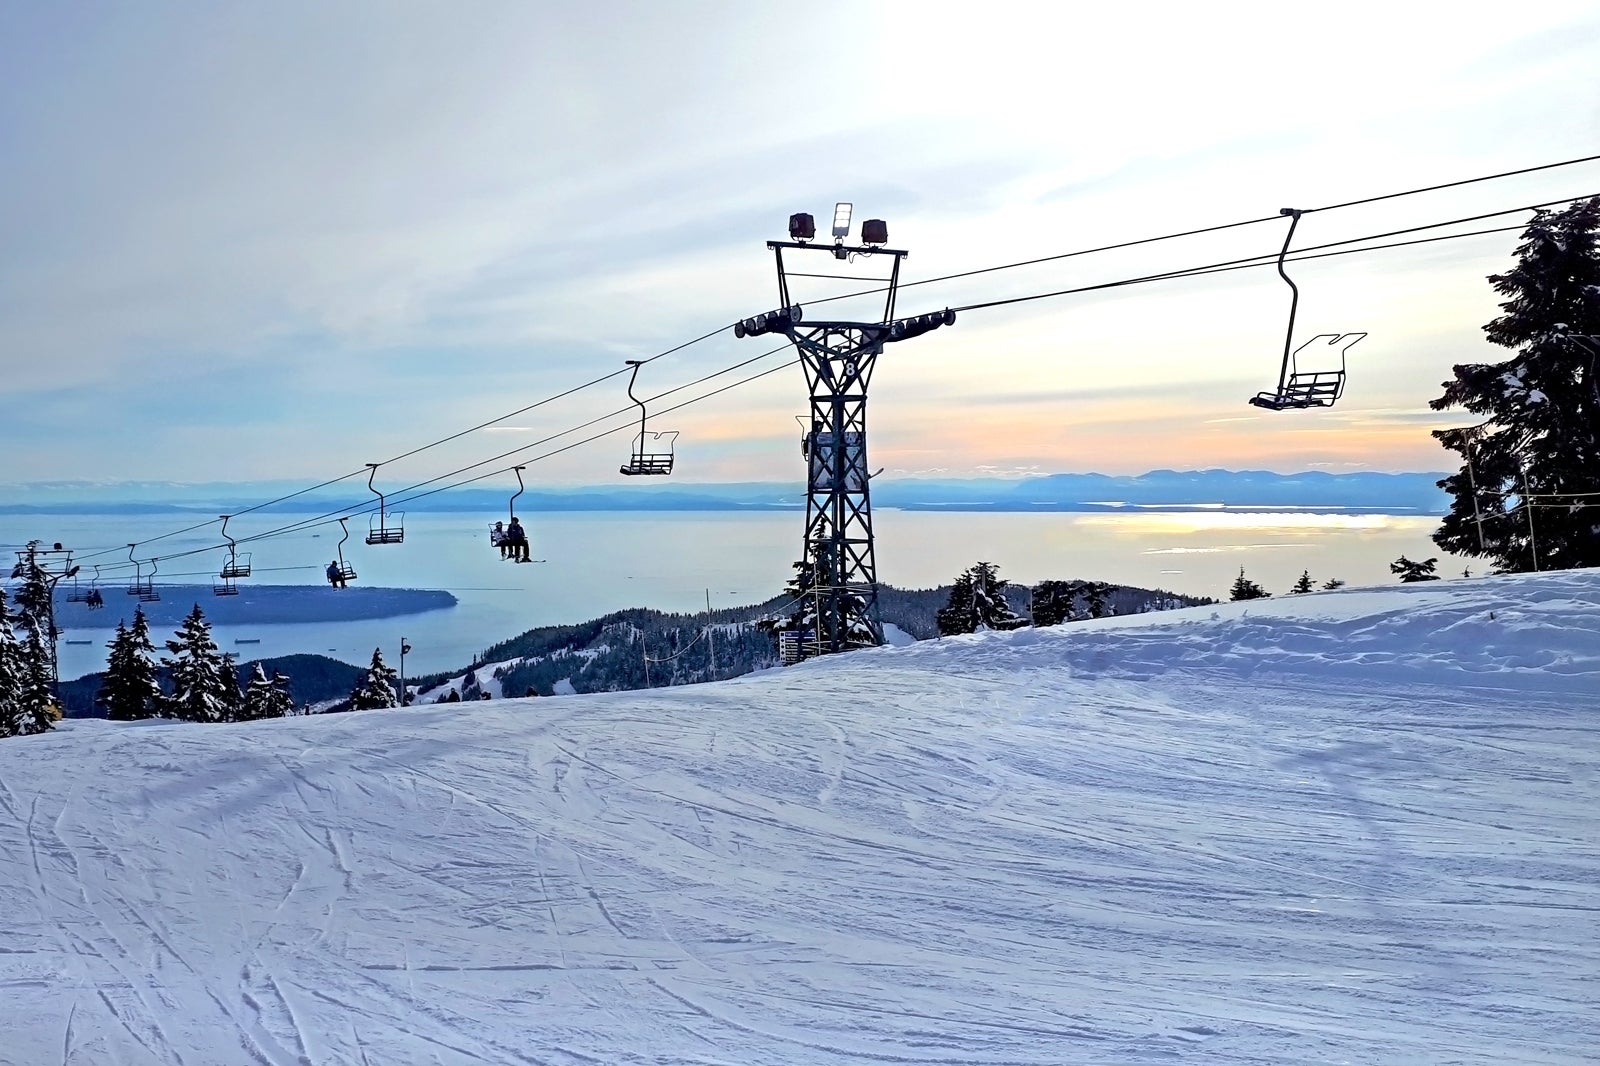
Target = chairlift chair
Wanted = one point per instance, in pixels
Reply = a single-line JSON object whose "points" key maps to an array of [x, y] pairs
{"points": [[1303, 388], [1310, 388], [386, 527], [511, 511], [76, 594], [641, 461], [224, 586], [236, 565], [93, 598], [346, 571], [142, 587]]}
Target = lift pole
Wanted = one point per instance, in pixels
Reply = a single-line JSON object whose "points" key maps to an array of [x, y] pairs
{"points": [[838, 359]]}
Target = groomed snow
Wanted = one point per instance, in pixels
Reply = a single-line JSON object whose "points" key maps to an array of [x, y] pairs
{"points": [[1353, 827]]}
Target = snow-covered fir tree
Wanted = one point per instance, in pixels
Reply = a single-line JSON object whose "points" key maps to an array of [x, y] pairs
{"points": [[1526, 493], [1055, 602], [376, 689], [204, 685], [801, 610], [280, 704], [34, 594], [1097, 596], [10, 672], [264, 697], [1408, 570], [1304, 585], [1245, 589], [35, 709], [129, 690], [978, 599], [957, 616]]}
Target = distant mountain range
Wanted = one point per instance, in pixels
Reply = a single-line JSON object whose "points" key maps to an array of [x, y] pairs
{"points": [[1367, 491]]}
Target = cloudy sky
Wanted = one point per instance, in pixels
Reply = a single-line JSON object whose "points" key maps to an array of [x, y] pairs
{"points": [[283, 240]]}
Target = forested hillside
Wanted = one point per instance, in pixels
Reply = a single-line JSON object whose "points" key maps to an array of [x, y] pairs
{"points": [[640, 648]]}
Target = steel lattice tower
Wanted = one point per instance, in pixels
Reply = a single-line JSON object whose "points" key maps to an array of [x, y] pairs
{"points": [[838, 358]]}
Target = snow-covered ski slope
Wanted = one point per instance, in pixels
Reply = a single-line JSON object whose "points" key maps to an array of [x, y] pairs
{"points": [[1350, 827]]}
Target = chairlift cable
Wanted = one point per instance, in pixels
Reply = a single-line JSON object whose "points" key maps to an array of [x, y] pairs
{"points": [[1202, 230], [414, 451], [1228, 265], [1243, 263], [1267, 259], [329, 517], [1455, 184]]}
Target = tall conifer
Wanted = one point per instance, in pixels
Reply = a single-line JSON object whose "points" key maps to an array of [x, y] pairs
{"points": [[1528, 491], [204, 685], [375, 690]]}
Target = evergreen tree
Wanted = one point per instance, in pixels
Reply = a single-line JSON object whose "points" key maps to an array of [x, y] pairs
{"points": [[1303, 585], [978, 599], [264, 698], [1245, 589], [1333, 583], [11, 669], [34, 709], [1408, 570], [34, 596], [1096, 593], [958, 616], [989, 601], [257, 693], [1054, 602], [1537, 448], [801, 610], [280, 704], [376, 690], [129, 690], [205, 687]]}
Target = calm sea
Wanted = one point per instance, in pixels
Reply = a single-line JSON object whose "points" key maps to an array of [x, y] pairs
{"points": [[593, 563]]}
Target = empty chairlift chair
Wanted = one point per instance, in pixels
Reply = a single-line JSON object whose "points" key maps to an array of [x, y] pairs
{"points": [[238, 563], [386, 527], [144, 588], [1298, 388], [642, 462]]}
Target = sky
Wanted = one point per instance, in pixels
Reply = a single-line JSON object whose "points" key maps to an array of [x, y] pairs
{"points": [[1343, 827], [252, 241]]}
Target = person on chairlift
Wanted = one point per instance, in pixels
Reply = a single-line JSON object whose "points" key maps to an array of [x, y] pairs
{"points": [[336, 575], [497, 537], [517, 537]]}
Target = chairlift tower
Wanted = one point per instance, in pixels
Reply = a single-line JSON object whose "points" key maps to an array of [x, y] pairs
{"points": [[838, 358]]}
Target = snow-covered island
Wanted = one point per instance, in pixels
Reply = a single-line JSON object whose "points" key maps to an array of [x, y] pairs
{"points": [[1348, 826]]}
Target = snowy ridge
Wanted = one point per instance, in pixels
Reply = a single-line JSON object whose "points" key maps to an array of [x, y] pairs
{"points": [[1539, 632], [1248, 839]]}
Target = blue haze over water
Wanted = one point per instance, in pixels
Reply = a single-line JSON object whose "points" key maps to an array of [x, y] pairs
{"points": [[597, 562]]}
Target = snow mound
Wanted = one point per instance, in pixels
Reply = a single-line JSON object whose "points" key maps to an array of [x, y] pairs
{"points": [[1352, 826], [1538, 631]]}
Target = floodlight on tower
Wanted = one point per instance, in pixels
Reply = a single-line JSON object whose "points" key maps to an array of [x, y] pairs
{"points": [[802, 227], [841, 221]]}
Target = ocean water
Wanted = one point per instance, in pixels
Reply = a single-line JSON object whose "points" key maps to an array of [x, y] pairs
{"points": [[593, 563]]}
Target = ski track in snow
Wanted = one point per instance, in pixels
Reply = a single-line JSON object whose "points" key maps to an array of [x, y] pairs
{"points": [[1350, 827]]}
